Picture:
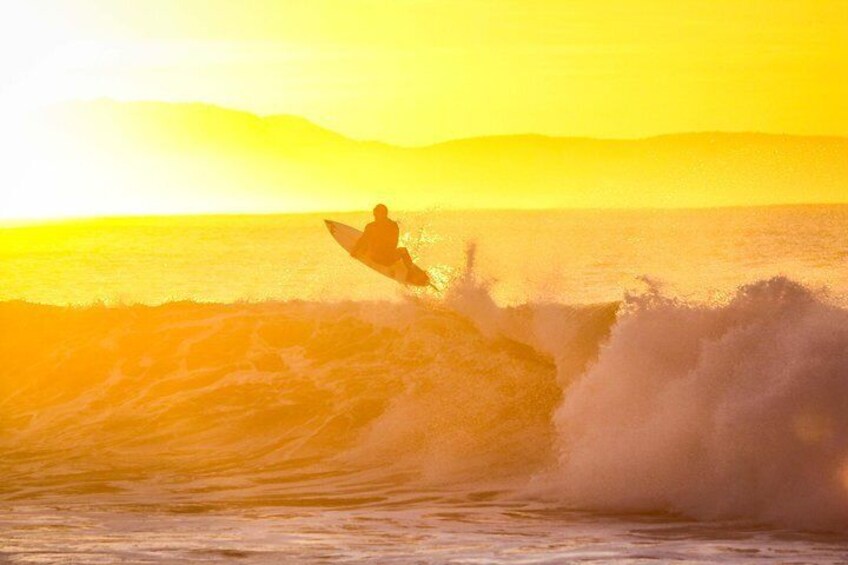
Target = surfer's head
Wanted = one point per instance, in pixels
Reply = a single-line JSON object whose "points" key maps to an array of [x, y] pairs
{"points": [[381, 212]]}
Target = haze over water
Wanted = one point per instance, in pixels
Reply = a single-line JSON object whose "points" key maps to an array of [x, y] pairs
{"points": [[587, 386]]}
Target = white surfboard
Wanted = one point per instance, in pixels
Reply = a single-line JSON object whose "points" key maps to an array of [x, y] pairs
{"points": [[347, 237]]}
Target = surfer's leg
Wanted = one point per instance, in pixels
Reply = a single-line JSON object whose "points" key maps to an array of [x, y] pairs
{"points": [[403, 254]]}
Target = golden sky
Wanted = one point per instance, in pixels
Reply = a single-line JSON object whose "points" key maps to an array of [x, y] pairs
{"points": [[419, 71]]}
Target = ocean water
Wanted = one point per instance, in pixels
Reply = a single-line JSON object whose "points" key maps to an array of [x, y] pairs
{"points": [[572, 257], [584, 386]]}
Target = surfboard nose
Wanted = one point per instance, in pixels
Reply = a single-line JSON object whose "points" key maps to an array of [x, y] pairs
{"points": [[330, 225]]}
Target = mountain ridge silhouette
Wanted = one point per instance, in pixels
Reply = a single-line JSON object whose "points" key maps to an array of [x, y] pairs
{"points": [[232, 160]]}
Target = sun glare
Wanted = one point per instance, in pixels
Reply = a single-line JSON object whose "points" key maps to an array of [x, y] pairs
{"points": [[577, 69]]}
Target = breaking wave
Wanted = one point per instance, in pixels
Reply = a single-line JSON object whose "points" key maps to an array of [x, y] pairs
{"points": [[732, 410], [736, 411]]}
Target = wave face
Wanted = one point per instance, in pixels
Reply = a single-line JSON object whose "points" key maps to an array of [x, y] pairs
{"points": [[247, 402], [731, 410]]}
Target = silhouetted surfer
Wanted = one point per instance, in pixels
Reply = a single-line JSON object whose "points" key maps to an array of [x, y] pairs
{"points": [[380, 239]]}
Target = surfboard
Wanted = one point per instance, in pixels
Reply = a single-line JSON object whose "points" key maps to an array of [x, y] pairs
{"points": [[347, 236]]}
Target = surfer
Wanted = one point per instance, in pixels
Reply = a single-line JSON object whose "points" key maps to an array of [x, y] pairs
{"points": [[379, 241]]}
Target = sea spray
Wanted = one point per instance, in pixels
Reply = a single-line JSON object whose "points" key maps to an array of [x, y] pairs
{"points": [[731, 411]]}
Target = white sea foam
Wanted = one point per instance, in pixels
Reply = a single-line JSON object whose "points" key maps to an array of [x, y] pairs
{"points": [[737, 410]]}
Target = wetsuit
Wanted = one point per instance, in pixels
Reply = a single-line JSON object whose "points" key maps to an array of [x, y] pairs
{"points": [[380, 242]]}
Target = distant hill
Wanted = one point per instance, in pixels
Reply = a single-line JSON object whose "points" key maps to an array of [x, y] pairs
{"points": [[196, 157]]}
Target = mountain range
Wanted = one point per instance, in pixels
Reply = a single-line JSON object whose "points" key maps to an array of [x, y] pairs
{"points": [[197, 157]]}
